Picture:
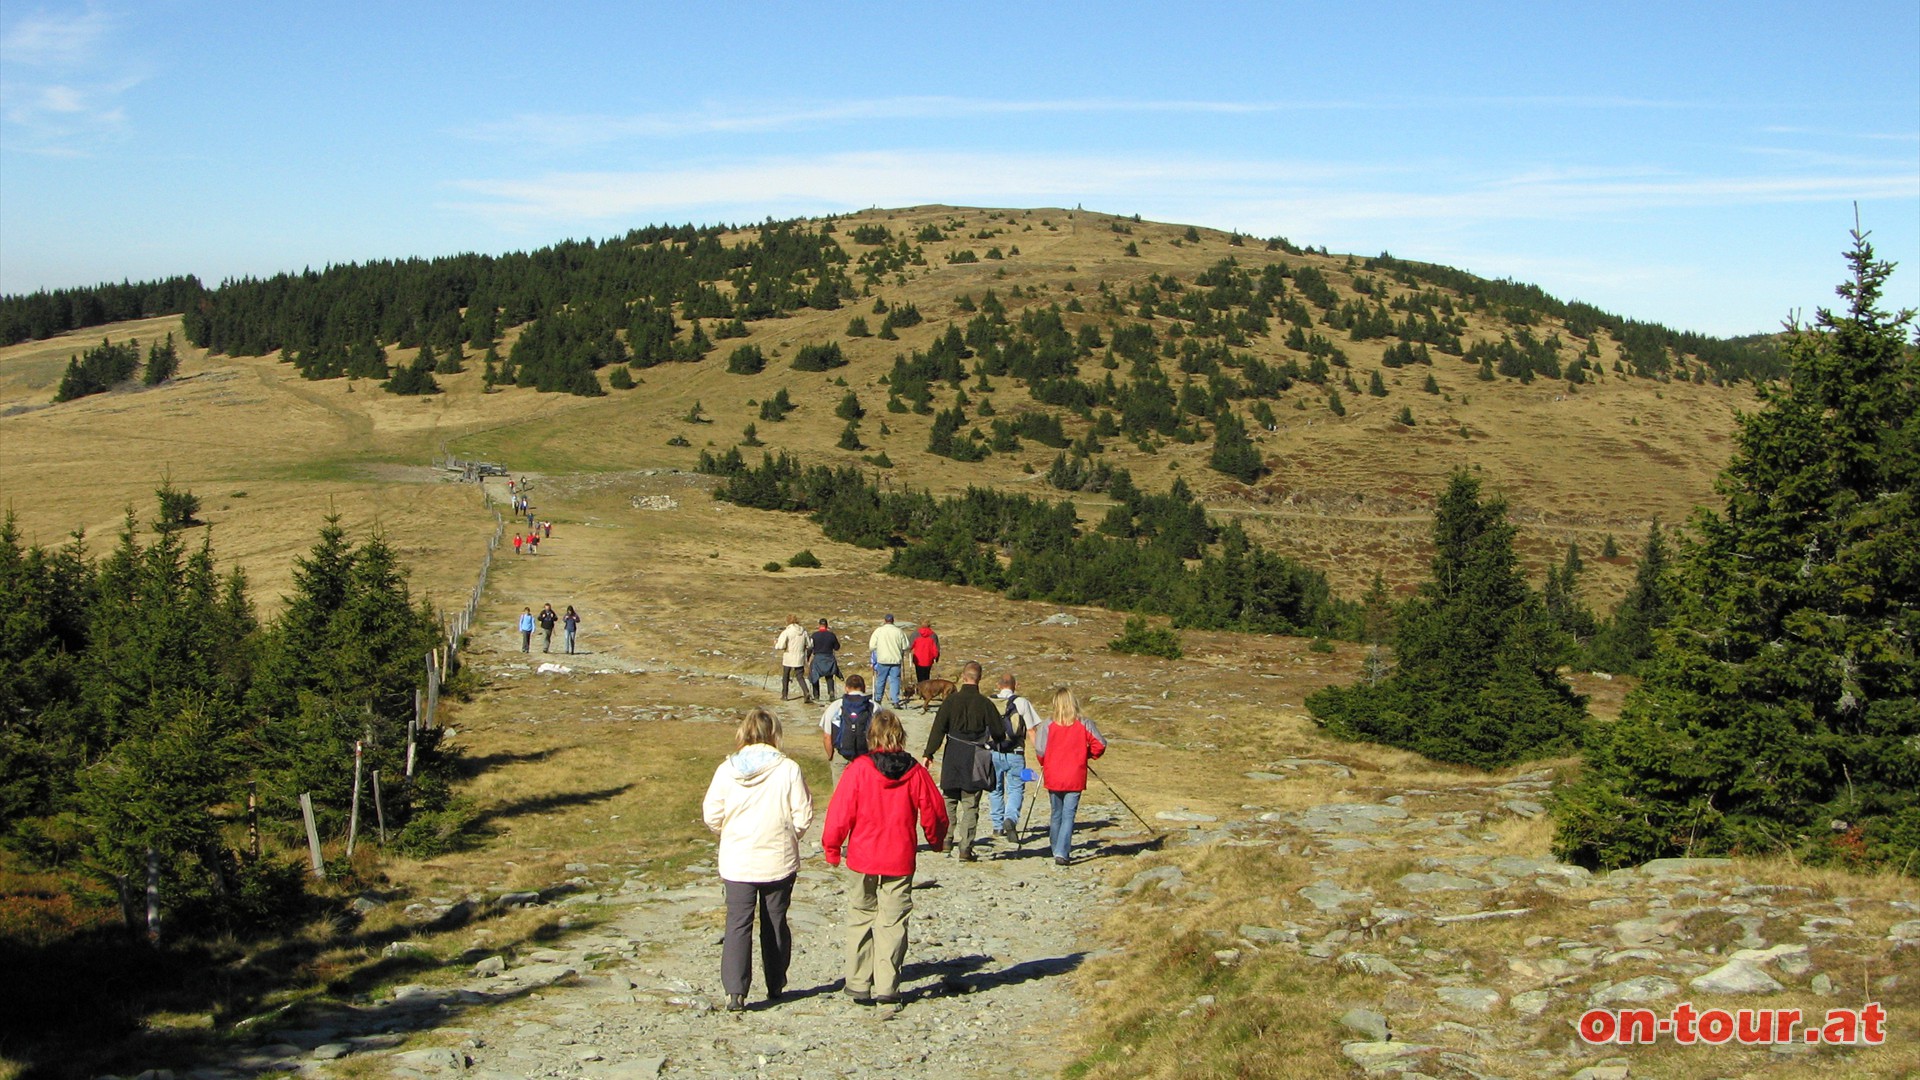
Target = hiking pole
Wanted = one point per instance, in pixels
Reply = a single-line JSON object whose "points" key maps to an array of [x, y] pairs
{"points": [[1123, 802], [1026, 815]]}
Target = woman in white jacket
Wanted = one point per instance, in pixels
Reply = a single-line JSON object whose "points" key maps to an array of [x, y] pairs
{"points": [[759, 804]]}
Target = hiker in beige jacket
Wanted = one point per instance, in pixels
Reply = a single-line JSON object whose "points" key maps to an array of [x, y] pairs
{"points": [[759, 804], [792, 647]]}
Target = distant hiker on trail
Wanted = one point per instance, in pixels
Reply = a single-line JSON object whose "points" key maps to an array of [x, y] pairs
{"points": [[571, 620], [547, 621], [533, 543], [887, 649], [968, 723], [822, 646], [516, 543], [843, 727], [1010, 759], [873, 812], [791, 644], [759, 804], [526, 629], [546, 527], [1065, 746], [926, 650]]}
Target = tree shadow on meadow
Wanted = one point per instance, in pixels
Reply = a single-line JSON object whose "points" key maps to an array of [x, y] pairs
{"points": [[97, 1002]]}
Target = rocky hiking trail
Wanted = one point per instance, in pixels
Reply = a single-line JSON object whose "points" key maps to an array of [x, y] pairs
{"points": [[638, 994], [1422, 926]]}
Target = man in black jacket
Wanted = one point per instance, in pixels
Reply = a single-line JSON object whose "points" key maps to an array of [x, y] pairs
{"points": [[821, 661], [969, 725]]}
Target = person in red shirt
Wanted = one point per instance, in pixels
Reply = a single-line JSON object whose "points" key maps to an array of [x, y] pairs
{"points": [[926, 650], [1064, 746], [880, 798]]}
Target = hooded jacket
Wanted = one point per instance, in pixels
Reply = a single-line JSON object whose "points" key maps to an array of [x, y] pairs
{"points": [[926, 647], [792, 644], [873, 812], [759, 804]]}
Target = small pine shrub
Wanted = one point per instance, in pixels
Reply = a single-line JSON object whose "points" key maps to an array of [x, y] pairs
{"points": [[1142, 639], [804, 560], [772, 567]]}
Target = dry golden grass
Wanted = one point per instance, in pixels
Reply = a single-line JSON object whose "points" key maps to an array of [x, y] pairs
{"points": [[1348, 495], [607, 768]]}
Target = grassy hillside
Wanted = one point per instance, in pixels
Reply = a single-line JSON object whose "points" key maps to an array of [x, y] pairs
{"points": [[271, 452]]}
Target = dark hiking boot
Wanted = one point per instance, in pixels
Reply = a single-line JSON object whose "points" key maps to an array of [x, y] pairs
{"points": [[736, 1003]]}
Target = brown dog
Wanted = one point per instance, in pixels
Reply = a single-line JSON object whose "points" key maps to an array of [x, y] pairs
{"points": [[931, 690]]}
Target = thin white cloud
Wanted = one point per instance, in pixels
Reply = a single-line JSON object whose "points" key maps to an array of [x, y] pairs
{"points": [[1874, 136], [49, 40], [1302, 197], [59, 93], [555, 131]]}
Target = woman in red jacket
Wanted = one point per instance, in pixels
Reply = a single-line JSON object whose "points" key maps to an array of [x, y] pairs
{"points": [[926, 650], [880, 798], [1064, 747]]}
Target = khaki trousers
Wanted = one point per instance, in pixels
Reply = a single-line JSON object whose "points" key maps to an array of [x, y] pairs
{"points": [[877, 910]]}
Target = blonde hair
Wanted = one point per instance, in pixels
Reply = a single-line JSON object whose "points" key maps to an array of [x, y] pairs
{"points": [[759, 726], [884, 731], [793, 620], [1065, 709]]}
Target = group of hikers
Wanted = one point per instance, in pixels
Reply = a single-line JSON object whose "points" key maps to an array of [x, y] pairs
{"points": [[883, 795], [527, 542], [813, 658], [546, 621]]}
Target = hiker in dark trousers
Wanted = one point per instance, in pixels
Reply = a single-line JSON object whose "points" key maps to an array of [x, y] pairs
{"points": [[526, 629], [824, 664], [791, 645], [873, 813], [843, 726], [969, 724], [1065, 745], [547, 620], [759, 804], [571, 620]]}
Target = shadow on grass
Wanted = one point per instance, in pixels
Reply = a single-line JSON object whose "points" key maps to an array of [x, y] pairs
{"points": [[98, 1002], [541, 804], [466, 767]]}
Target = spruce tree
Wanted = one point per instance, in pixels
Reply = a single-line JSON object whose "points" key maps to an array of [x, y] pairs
{"points": [[1476, 679], [1779, 711], [1627, 638]]}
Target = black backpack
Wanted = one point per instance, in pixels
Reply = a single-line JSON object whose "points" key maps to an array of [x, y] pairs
{"points": [[850, 740], [1015, 725]]}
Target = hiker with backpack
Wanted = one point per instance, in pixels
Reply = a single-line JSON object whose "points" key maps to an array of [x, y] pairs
{"points": [[571, 620], [1010, 759], [843, 727], [526, 629], [821, 647], [547, 620], [1064, 746], [884, 794], [759, 804], [969, 725]]}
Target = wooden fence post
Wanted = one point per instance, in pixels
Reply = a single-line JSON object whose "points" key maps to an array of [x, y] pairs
{"points": [[379, 809], [412, 729], [253, 818], [153, 897], [353, 815], [313, 835]]}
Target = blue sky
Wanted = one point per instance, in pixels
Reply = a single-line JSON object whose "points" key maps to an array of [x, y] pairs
{"points": [[1694, 164]]}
